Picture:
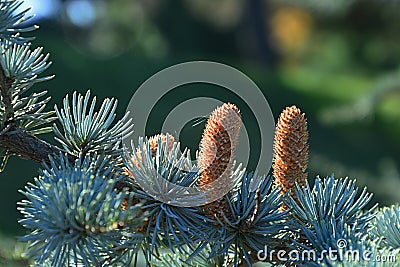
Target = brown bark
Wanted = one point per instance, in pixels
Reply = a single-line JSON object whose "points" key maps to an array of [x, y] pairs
{"points": [[28, 146], [6, 83]]}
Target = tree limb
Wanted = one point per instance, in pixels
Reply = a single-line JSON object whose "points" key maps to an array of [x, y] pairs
{"points": [[16, 140], [19, 141], [28, 146], [25, 144]]}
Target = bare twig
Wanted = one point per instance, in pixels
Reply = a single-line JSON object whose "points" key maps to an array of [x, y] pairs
{"points": [[5, 91], [25, 144]]}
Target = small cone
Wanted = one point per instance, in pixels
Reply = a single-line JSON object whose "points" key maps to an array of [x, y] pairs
{"points": [[217, 149], [291, 150], [153, 144]]}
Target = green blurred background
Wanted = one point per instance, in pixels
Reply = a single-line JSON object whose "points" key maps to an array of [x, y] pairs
{"points": [[337, 60]]}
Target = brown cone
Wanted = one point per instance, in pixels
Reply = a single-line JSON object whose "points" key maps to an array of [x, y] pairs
{"points": [[291, 150], [153, 144], [217, 146]]}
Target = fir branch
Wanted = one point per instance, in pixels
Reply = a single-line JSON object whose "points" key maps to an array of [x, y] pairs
{"points": [[24, 65], [329, 212], [25, 144], [76, 217], [11, 22], [19, 70], [184, 259], [330, 197], [168, 225], [254, 222], [387, 226], [85, 130], [15, 140]]}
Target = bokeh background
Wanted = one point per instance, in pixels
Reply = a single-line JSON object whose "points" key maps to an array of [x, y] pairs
{"points": [[336, 60]]}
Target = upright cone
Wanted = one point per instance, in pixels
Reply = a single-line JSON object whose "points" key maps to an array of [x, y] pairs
{"points": [[153, 145], [153, 142], [291, 150], [216, 155]]}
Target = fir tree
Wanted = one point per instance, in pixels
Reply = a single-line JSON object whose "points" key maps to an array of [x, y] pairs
{"points": [[86, 208]]}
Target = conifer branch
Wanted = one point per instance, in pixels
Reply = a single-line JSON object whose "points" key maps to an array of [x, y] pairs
{"points": [[28, 146], [83, 210], [19, 141]]}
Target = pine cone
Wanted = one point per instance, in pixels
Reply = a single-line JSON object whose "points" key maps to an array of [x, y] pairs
{"points": [[153, 144], [217, 149], [291, 150]]}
